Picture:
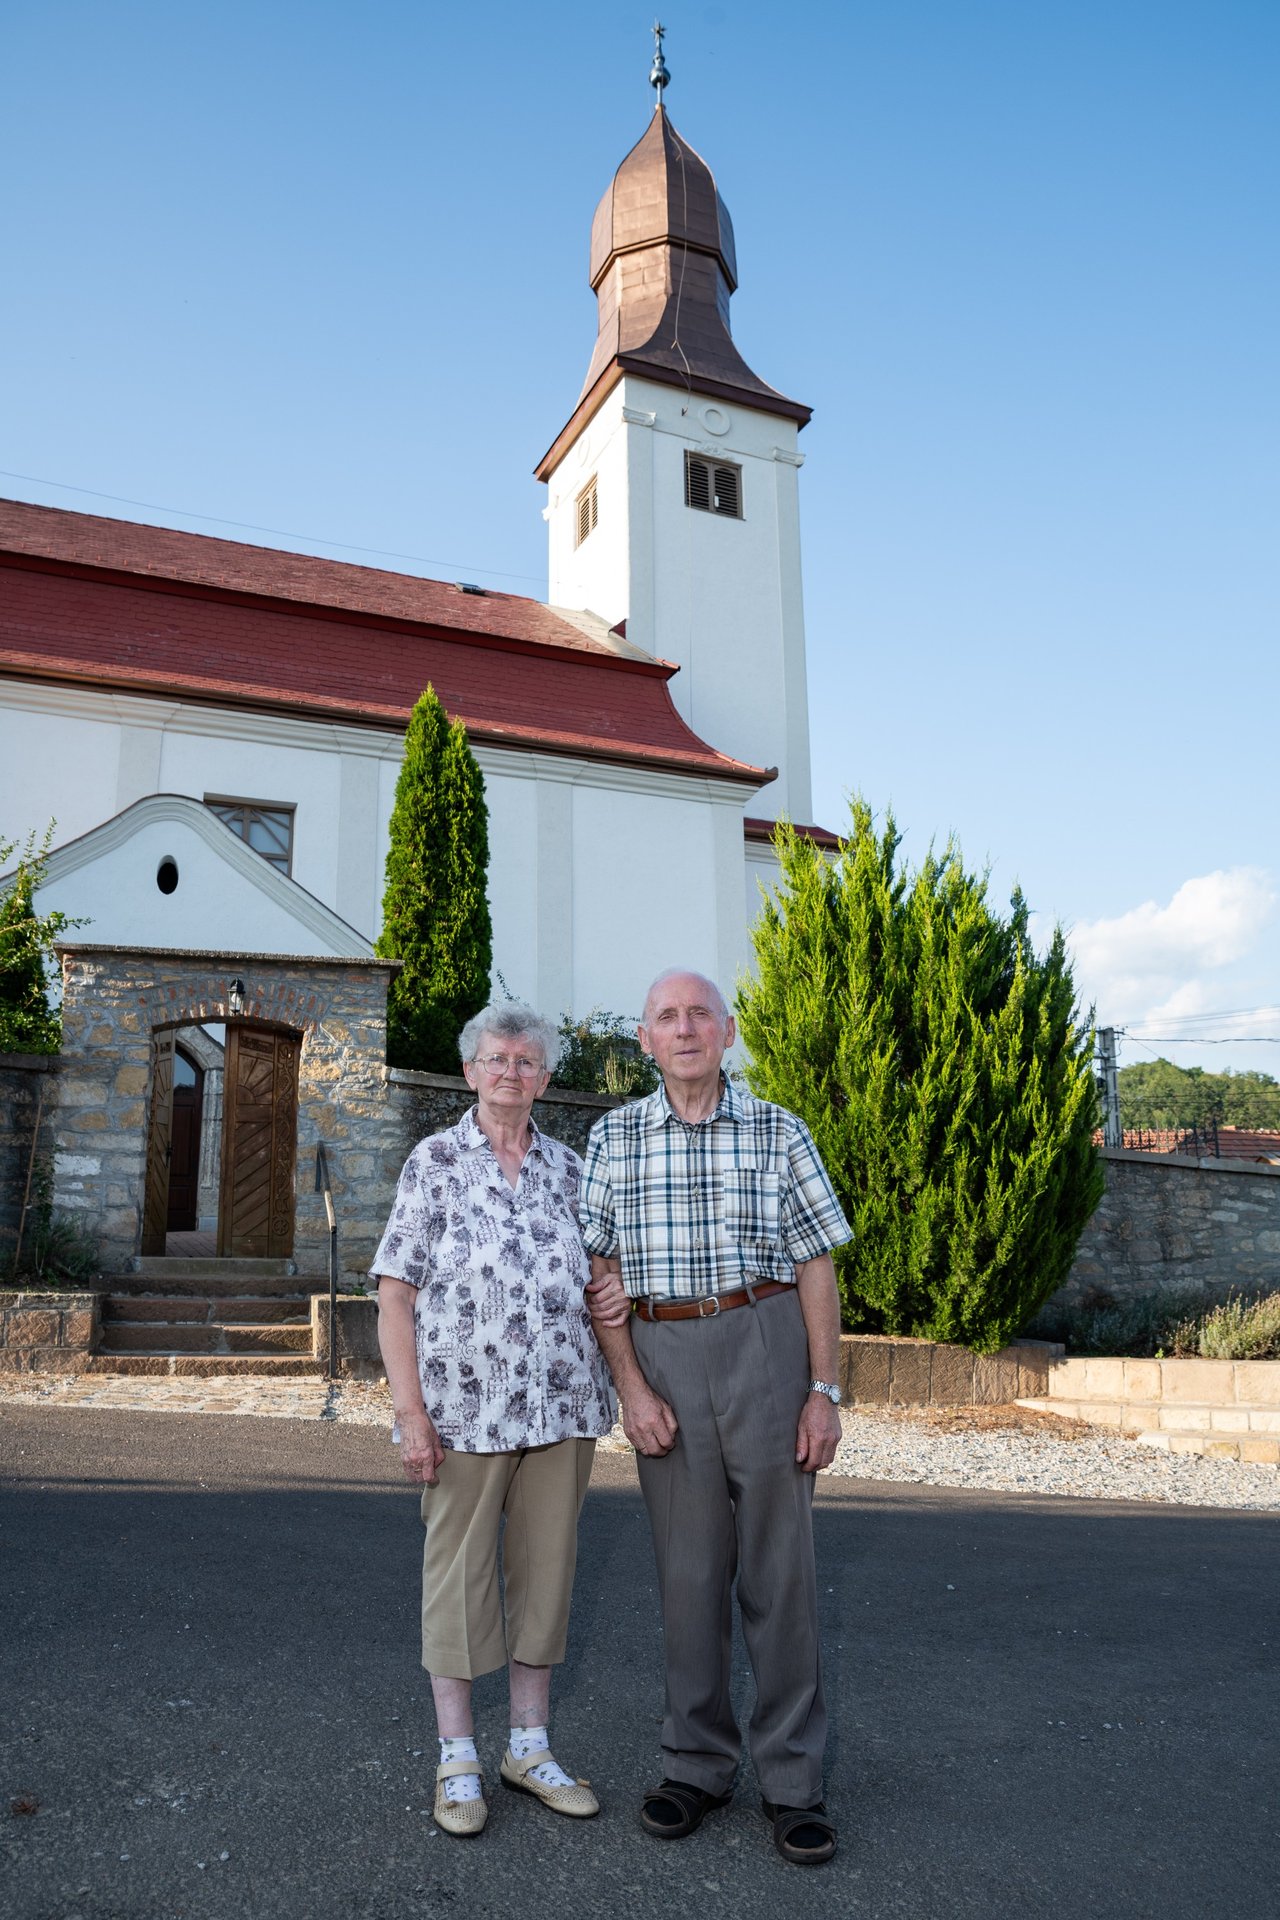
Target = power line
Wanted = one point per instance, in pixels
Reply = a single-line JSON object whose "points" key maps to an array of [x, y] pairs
{"points": [[249, 526], [1207, 1040]]}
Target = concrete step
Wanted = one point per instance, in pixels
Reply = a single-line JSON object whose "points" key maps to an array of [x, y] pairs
{"points": [[280, 1308], [162, 1336], [207, 1366], [1164, 1416], [1259, 1449], [252, 1277]]}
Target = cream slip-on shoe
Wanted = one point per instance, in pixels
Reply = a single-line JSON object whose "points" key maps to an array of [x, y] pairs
{"points": [[577, 1801], [460, 1817]]}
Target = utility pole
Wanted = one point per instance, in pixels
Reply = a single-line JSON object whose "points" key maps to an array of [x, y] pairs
{"points": [[1109, 1086]]}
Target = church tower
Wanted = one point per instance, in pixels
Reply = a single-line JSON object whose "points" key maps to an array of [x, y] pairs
{"points": [[673, 487]]}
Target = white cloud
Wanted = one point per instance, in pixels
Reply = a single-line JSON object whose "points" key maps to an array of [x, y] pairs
{"points": [[1154, 959]]}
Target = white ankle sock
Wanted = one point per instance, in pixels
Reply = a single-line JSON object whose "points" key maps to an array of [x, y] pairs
{"points": [[527, 1740], [461, 1786]]}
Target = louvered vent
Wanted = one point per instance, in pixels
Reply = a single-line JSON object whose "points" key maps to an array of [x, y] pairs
{"points": [[712, 488], [588, 511]]}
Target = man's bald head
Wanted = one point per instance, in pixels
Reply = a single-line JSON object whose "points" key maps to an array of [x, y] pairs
{"points": [[670, 975]]}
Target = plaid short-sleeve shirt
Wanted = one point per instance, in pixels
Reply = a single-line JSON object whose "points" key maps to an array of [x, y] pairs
{"points": [[692, 1210]]}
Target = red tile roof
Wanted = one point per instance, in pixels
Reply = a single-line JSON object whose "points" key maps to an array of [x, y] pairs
{"points": [[764, 830], [112, 604], [1232, 1143]]}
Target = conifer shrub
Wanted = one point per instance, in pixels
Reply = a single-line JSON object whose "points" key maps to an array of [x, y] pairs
{"points": [[435, 911], [945, 1074]]}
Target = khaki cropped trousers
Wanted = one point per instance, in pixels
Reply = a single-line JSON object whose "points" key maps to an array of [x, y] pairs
{"points": [[538, 1492], [728, 1501]]}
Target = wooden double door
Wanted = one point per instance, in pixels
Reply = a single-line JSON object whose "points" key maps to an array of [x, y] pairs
{"points": [[259, 1142]]}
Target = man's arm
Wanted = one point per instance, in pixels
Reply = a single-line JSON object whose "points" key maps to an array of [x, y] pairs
{"points": [[818, 1434], [647, 1420]]}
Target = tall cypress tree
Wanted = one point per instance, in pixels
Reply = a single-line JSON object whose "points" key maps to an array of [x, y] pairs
{"points": [[944, 1073], [435, 913]]}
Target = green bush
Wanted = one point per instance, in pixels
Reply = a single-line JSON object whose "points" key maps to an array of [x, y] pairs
{"points": [[27, 1022], [944, 1073], [435, 913], [601, 1054], [1173, 1325], [1242, 1327]]}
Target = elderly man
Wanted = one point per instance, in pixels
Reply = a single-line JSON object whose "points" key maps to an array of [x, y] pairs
{"points": [[710, 1221]]}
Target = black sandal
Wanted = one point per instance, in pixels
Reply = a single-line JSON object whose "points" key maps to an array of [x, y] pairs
{"points": [[806, 1836], [690, 1805]]}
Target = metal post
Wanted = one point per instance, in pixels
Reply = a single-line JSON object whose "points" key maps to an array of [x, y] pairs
{"points": [[1112, 1131], [322, 1186]]}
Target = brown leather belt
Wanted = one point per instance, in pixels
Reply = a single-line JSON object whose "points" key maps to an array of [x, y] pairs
{"points": [[710, 1304]]}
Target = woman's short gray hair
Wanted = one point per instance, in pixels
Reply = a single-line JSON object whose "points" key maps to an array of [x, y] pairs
{"points": [[506, 1020]]}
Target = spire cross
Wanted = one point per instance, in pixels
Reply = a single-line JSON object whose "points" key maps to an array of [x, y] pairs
{"points": [[659, 77]]}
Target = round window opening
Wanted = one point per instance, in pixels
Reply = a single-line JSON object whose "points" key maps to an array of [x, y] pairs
{"points": [[167, 876]]}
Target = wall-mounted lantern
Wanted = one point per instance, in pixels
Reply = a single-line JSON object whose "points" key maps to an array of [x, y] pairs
{"points": [[235, 997]]}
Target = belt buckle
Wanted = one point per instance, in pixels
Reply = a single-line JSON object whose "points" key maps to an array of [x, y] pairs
{"points": [[709, 1308]]}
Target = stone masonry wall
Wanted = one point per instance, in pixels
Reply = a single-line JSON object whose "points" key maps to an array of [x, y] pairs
{"points": [[115, 998], [376, 1136], [23, 1076], [1169, 1225]]}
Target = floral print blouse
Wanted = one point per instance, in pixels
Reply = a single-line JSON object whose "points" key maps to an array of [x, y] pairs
{"points": [[506, 1354]]}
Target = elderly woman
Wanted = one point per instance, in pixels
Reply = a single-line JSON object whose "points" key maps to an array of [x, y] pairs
{"points": [[500, 1394]]}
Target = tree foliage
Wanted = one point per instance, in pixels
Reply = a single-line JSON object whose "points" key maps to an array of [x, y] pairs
{"points": [[601, 1054], [27, 1022], [1155, 1093], [435, 912], [944, 1073]]}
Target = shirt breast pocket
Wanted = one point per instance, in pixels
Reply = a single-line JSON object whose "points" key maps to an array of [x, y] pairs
{"points": [[752, 1200]]}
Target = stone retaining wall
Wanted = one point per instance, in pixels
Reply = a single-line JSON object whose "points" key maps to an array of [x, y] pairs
{"points": [[23, 1077], [1173, 1225], [881, 1372], [47, 1332]]}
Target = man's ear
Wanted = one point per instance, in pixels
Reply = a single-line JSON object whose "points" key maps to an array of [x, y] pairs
{"points": [[642, 1035], [730, 1030]]}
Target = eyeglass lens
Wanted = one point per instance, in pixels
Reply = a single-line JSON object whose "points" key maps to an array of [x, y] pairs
{"points": [[498, 1063]]}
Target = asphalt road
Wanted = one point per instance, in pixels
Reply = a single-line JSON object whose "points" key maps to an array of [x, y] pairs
{"points": [[212, 1698]]}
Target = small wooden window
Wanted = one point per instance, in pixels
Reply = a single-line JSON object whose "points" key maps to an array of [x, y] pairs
{"points": [[264, 825], [712, 486], [588, 511]]}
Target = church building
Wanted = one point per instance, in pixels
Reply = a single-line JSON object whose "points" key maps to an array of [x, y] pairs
{"points": [[217, 727]]}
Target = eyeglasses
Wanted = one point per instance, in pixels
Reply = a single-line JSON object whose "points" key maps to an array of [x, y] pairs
{"points": [[498, 1063]]}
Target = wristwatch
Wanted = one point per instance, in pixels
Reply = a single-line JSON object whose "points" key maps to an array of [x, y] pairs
{"points": [[822, 1386]]}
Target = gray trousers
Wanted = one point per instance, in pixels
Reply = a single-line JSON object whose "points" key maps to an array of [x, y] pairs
{"points": [[729, 1499]]}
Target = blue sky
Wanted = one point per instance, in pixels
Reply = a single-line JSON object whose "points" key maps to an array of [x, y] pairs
{"points": [[322, 270]]}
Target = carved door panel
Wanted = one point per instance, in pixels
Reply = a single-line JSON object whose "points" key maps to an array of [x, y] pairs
{"points": [[184, 1154], [259, 1142], [155, 1206]]}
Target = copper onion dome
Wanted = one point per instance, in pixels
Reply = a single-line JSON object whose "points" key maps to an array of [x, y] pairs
{"points": [[663, 267]]}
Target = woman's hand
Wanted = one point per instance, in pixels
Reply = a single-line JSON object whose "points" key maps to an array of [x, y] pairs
{"points": [[421, 1454]]}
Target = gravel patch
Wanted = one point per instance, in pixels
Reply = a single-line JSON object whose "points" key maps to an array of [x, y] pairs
{"points": [[1001, 1450], [1081, 1464]]}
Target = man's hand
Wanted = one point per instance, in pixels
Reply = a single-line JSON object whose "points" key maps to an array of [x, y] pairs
{"points": [[607, 1299], [421, 1454], [647, 1420], [818, 1434]]}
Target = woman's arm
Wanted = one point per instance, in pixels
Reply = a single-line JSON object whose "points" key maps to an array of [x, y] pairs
{"points": [[421, 1453]]}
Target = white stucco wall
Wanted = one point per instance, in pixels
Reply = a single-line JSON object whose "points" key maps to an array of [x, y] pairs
{"points": [[216, 905], [599, 875], [722, 598]]}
